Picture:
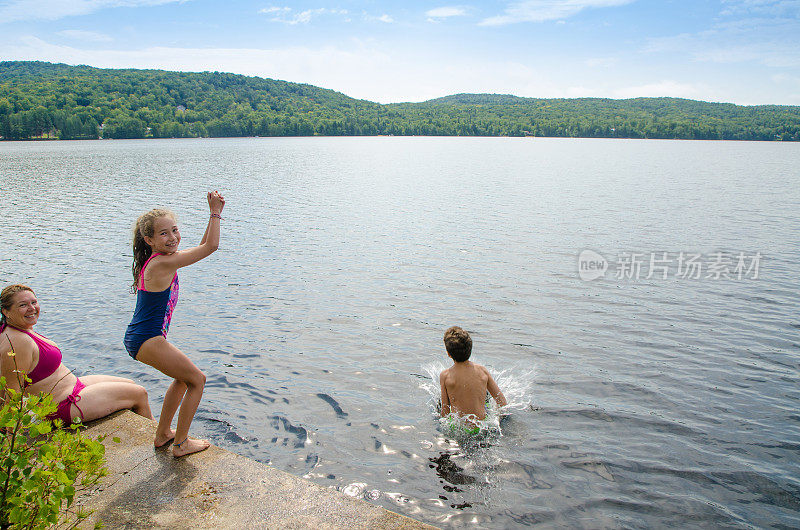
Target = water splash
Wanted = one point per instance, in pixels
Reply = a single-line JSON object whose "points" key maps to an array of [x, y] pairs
{"points": [[516, 384], [431, 385]]}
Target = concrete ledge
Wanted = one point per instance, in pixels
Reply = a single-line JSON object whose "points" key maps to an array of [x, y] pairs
{"points": [[148, 488]]}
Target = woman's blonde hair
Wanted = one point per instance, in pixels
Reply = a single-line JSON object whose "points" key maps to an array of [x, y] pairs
{"points": [[6, 298]]}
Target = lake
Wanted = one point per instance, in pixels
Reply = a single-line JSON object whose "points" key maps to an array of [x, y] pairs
{"points": [[637, 301]]}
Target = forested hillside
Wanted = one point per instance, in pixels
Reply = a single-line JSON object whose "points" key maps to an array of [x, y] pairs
{"points": [[43, 100]]}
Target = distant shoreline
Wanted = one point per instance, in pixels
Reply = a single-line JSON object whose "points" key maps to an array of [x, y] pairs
{"points": [[81, 102], [58, 140]]}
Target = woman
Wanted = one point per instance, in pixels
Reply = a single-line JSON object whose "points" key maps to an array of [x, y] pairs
{"points": [[85, 399]]}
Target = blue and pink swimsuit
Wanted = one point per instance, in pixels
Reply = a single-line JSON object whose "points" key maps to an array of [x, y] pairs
{"points": [[153, 313]]}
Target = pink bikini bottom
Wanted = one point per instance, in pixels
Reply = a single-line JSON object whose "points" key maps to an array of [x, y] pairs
{"points": [[64, 412]]}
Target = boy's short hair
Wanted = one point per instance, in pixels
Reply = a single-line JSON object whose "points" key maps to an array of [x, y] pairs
{"points": [[458, 344]]}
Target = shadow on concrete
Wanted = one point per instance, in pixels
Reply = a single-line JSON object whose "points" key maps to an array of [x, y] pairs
{"points": [[149, 488], [154, 489]]}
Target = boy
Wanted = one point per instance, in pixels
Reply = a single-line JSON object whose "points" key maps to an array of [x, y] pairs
{"points": [[464, 385]]}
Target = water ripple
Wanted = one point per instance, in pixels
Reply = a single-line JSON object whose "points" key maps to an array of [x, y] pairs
{"points": [[318, 323]]}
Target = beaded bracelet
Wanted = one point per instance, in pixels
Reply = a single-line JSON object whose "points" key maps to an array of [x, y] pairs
{"points": [[218, 216]]}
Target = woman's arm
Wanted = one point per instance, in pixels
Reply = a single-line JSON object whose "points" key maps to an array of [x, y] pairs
{"points": [[15, 363]]}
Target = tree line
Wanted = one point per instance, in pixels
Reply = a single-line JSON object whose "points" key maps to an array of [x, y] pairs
{"points": [[44, 101]]}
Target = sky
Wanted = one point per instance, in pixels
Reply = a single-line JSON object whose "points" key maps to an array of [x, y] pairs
{"points": [[738, 51]]}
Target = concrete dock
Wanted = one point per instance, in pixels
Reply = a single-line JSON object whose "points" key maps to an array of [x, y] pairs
{"points": [[149, 488]]}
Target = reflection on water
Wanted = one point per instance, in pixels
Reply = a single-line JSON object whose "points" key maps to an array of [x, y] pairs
{"points": [[633, 402]]}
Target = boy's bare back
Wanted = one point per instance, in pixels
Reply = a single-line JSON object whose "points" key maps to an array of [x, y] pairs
{"points": [[464, 386]]}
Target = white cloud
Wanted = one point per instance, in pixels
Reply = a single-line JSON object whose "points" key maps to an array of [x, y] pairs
{"points": [[541, 10], [767, 54], [761, 7], [667, 88], [445, 12], [579, 92], [783, 78], [673, 43], [601, 62], [90, 36], [16, 10], [757, 40], [273, 9], [285, 15], [372, 18]]}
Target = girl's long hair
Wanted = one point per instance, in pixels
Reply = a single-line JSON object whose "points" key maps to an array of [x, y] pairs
{"points": [[141, 250]]}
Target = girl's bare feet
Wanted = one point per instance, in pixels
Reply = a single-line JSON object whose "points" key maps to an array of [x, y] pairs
{"points": [[189, 446], [162, 440]]}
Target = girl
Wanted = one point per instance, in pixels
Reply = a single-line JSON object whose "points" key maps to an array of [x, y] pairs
{"points": [[156, 260]]}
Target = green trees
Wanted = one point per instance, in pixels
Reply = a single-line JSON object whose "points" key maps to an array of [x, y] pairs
{"points": [[43, 100], [123, 126]]}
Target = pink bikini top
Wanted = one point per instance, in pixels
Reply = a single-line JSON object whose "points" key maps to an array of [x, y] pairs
{"points": [[49, 357]]}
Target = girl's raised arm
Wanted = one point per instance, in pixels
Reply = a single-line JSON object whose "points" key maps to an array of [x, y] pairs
{"points": [[209, 243], [216, 210]]}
